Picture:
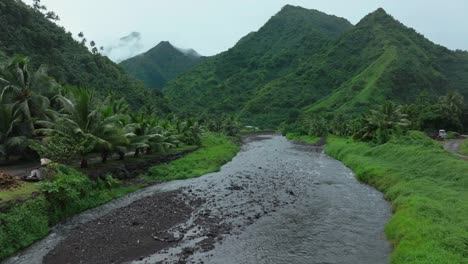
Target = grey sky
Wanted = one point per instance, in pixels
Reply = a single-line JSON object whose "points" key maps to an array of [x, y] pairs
{"points": [[213, 26]]}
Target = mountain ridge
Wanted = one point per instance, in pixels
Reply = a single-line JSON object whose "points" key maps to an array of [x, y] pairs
{"points": [[161, 63], [349, 71], [261, 57]]}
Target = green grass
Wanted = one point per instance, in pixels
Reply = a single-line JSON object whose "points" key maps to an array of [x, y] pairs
{"points": [[302, 138], [217, 150], [25, 190], [464, 148], [428, 188]]}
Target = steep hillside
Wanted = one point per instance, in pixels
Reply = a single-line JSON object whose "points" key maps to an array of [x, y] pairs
{"points": [[381, 59], [304, 59], [161, 64], [228, 81], [27, 32]]}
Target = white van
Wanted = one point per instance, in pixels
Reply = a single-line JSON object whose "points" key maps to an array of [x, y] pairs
{"points": [[442, 134]]}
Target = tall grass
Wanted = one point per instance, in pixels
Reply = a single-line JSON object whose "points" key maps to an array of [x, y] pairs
{"points": [[464, 148], [428, 188]]}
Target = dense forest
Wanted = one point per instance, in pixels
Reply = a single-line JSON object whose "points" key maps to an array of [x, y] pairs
{"points": [[61, 99], [161, 64], [303, 62], [32, 32]]}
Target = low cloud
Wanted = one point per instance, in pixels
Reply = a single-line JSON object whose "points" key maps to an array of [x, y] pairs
{"points": [[126, 47]]}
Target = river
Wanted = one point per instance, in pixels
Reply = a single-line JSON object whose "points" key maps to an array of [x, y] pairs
{"points": [[275, 202]]}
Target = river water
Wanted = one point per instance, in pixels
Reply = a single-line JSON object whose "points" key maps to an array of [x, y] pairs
{"points": [[282, 203]]}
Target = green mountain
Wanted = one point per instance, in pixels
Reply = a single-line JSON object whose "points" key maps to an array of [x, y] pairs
{"points": [[304, 61], [25, 31], [381, 59], [161, 64], [230, 81]]}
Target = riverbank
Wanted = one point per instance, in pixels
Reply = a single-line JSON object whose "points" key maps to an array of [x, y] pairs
{"points": [[32, 220], [428, 188], [302, 138]]}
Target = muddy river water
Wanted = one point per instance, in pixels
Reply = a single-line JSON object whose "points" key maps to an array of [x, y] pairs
{"points": [[275, 202]]}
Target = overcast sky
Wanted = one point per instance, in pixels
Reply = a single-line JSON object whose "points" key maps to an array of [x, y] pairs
{"points": [[213, 26]]}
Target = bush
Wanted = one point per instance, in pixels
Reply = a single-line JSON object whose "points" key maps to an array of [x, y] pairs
{"points": [[22, 225]]}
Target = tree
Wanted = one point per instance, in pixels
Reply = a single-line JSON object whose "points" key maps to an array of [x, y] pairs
{"points": [[37, 5], [452, 109], [10, 141], [52, 16], [380, 124], [88, 118], [19, 89]]}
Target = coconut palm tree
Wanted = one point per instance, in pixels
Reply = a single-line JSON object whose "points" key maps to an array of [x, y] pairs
{"points": [[380, 124], [9, 140], [20, 88], [92, 120], [189, 131], [451, 108]]}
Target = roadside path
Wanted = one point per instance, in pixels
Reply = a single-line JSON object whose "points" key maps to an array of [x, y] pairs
{"points": [[453, 146]]}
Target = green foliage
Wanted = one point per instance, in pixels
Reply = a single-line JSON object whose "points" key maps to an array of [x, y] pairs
{"points": [[428, 190], [303, 60], [67, 188], [23, 225], [216, 150], [29, 32], [241, 79], [161, 64], [464, 148], [302, 138], [226, 124], [381, 124]]}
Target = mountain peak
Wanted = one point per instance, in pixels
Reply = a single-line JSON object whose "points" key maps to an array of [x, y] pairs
{"points": [[165, 43], [291, 7], [380, 11], [379, 16]]}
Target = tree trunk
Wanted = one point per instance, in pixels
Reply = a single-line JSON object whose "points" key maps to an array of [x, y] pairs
{"points": [[84, 163], [137, 153], [121, 155], [104, 156]]}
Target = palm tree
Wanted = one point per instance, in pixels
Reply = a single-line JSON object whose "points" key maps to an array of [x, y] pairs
{"points": [[189, 131], [451, 107], [9, 140], [20, 87], [380, 124], [95, 122]]}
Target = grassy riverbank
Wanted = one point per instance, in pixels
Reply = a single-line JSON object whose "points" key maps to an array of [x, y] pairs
{"points": [[428, 188], [464, 148], [302, 138], [72, 192], [217, 151]]}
